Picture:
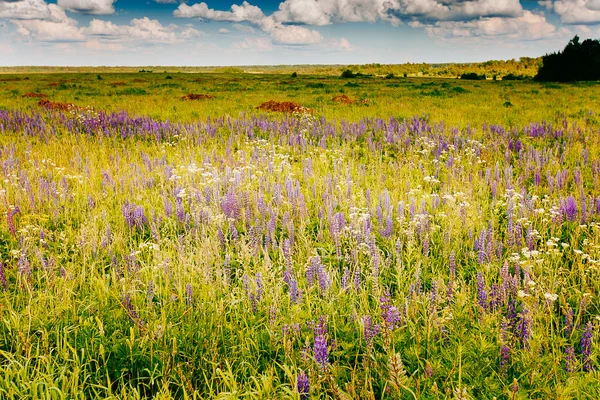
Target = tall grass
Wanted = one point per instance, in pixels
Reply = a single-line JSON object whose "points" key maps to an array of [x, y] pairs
{"points": [[239, 257]]}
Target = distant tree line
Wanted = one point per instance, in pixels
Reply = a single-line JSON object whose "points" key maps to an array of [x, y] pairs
{"points": [[579, 61]]}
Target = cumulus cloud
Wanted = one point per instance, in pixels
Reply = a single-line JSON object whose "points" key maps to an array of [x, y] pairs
{"points": [[57, 27], [345, 45], [24, 9], [575, 11], [285, 24], [54, 25], [97, 7], [246, 12], [455, 10], [140, 29], [529, 26], [238, 13], [325, 12]]}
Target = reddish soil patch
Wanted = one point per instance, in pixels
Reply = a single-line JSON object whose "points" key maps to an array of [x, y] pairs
{"points": [[35, 95], [285, 106], [192, 96], [342, 99], [54, 84], [139, 81], [52, 105], [118, 83], [347, 100]]}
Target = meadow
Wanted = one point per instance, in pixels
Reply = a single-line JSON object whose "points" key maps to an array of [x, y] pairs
{"points": [[434, 239]]}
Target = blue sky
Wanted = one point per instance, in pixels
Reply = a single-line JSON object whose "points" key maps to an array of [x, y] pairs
{"points": [[221, 32]]}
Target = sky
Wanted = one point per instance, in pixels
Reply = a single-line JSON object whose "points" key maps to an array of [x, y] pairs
{"points": [[272, 32]]}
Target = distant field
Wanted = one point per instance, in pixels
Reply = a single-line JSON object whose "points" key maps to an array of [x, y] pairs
{"points": [[454, 101], [372, 238]]}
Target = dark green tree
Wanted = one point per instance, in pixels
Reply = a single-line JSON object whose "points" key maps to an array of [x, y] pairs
{"points": [[579, 61]]}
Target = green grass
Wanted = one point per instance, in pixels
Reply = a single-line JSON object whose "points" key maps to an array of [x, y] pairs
{"points": [[193, 304]]}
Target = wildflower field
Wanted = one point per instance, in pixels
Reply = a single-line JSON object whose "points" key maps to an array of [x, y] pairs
{"points": [[163, 237]]}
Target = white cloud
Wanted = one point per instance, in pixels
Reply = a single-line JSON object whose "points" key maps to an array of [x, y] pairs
{"points": [[97, 7], [292, 34], [284, 25], [345, 45], [140, 29], [223, 30], [245, 12], [24, 9], [576, 11], [286, 34], [529, 26], [166, 1], [56, 28], [456, 10], [189, 32], [325, 12]]}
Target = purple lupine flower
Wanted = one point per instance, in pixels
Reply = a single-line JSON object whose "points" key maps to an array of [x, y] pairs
{"points": [[320, 351], [524, 327], [450, 291], [389, 312], [189, 294], [370, 330], [246, 283], [345, 282], [294, 292], [495, 297], [230, 206], [150, 292], [585, 346], [324, 281], [317, 269], [133, 315], [426, 246], [320, 344], [569, 321], [179, 210], [3, 281], [302, 385], [221, 236], [481, 293], [570, 359], [452, 264], [568, 208], [357, 280], [24, 266], [259, 286], [168, 207], [253, 302], [504, 358], [10, 220], [433, 293]]}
